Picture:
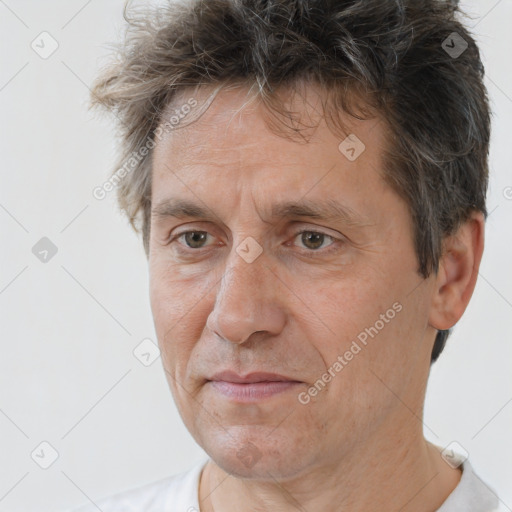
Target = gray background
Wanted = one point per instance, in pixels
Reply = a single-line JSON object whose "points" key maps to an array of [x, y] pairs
{"points": [[68, 375]]}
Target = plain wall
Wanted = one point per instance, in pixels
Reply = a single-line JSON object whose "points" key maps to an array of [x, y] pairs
{"points": [[69, 326]]}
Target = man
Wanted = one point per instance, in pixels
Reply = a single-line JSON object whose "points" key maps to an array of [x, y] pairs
{"points": [[309, 178]]}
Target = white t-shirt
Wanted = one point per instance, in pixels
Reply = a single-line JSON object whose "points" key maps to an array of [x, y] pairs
{"points": [[180, 493]]}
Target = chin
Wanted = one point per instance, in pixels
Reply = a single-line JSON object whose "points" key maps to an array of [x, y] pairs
{"points": [[256, 454]]}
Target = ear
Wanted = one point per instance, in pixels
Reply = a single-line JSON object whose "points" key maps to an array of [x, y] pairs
{"points": [[458, 271]]}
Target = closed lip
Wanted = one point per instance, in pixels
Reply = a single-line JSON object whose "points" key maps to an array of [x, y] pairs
{"points": [[250, 378]]}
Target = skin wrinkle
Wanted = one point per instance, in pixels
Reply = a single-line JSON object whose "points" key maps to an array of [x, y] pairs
{"points": [[294, 315]]}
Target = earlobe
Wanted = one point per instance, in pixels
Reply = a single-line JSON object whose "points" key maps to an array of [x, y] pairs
{"points": [[458, 272]]}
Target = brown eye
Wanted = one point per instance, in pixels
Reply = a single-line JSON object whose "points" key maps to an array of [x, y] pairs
{"points": [[313, 240]]}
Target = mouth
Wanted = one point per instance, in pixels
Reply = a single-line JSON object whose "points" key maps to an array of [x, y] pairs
{"points": [[253, 387]]}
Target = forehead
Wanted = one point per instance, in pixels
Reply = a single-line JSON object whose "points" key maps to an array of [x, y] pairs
{"points": [[233, 138], [207, 119]]}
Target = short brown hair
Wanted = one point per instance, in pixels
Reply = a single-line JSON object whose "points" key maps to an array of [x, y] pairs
{"points": [[414, 63]]}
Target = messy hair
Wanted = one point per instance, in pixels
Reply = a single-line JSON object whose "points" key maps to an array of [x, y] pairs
{"points": [[413, 62]]}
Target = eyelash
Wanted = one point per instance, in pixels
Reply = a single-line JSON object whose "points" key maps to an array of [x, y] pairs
{"points": [[307, 252]]}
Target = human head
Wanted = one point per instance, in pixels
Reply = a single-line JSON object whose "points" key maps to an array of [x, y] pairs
{"points": [[435, 104], [245, 98]]}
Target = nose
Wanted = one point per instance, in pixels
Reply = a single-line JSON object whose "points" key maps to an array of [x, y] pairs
{"points": [[248, 300]]}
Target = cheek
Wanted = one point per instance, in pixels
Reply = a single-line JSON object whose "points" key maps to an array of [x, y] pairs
{"points": [[367, 321], [348, 304], [179, 309], [172, 295]]}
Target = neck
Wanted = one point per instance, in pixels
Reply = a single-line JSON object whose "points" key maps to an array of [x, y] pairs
{"points": [[397, 471]]}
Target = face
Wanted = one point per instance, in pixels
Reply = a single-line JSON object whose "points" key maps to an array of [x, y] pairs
{"points": [[289, 259]]}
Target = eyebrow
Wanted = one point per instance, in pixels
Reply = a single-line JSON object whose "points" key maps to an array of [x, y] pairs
{"points": [[328, 210]]}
